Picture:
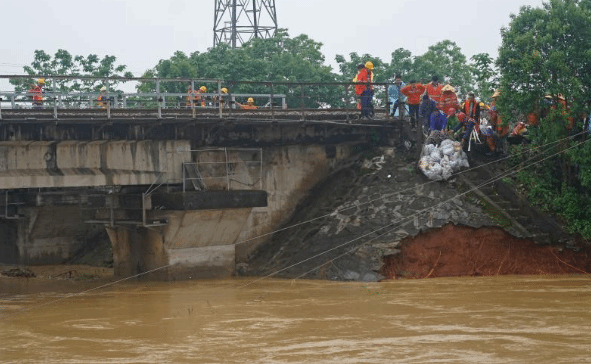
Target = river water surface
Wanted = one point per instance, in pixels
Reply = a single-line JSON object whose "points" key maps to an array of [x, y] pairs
{"points": [[447, 320]]}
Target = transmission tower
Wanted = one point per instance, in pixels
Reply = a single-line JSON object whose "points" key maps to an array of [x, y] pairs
{"points": [[238, 21]]}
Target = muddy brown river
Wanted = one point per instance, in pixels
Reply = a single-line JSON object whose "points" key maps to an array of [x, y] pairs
{"points": [[510, 319]]}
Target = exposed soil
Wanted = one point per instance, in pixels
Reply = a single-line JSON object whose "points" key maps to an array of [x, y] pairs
{"points": [[463, 251]]}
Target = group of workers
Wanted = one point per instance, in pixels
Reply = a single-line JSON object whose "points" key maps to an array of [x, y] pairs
{"points": [[435, 104], [193, 98], [197, 98]]}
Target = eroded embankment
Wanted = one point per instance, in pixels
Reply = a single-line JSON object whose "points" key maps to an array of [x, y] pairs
{"points": [[453, 251]]}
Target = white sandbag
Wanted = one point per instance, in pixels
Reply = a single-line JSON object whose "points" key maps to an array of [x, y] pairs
{"points": [[435, 155]]}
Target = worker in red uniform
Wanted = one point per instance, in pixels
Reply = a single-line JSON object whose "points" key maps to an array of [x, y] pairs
{"points": [[448, 98], [37, 93], [434, 89], [497, 122], [364, 89], [413, 92]]}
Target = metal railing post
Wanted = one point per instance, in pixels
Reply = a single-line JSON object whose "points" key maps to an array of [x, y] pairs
{"points": [[0, 108], [220, 97], [302, 102], [54, 108], [272, 111], [12, 101]]}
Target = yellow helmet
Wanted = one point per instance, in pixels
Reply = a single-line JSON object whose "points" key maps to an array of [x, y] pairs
{"points": [[369, 65], [481, 104], [496, 94], [203, 89], [41, 81], [224, 90], [103, 89], [250, 99]]}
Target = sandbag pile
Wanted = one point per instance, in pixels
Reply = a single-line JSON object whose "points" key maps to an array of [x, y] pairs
{"points": [[440, 162]]}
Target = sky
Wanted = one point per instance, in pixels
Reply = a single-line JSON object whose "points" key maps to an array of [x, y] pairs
{"points": [[142, 32]]}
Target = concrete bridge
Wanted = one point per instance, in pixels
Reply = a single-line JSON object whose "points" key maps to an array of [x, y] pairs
{"points": [[169, 187]]}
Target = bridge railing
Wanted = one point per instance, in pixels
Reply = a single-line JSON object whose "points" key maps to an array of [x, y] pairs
{"points": [[158, 94]]}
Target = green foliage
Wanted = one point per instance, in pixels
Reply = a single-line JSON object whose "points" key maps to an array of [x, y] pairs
{"points": [[65, 64], [484, 75], [279, 59], [546, 51]]}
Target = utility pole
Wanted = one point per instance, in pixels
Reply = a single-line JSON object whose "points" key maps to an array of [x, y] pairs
{"points": [[235, 22]]}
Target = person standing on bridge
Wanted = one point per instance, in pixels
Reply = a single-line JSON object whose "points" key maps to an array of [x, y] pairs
{"points": [[397, 98], [364, 89], [191, 97], [413, 93], [199, 98], [249, 104], [101, 100], [360, 67], [434, 89], [37, 93]]}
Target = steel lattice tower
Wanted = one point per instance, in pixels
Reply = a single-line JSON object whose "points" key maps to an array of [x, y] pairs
{"points": [[238, 21]]}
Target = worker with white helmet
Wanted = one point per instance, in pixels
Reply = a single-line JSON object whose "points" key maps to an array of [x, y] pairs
{"points": [[102, 98]]}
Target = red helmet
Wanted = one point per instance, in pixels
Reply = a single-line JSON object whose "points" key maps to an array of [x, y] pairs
{"points": [[451, 111], [461, 116]]}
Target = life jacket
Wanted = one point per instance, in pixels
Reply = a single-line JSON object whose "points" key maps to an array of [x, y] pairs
{"points": [[100, 101], [434, 92], [363, 78], [37, 92], [470, 108]]}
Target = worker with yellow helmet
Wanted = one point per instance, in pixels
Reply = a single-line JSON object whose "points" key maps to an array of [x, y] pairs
{"points": [[220, 100], [199, 98], [364, 89], [249, 104], [36, 92]]}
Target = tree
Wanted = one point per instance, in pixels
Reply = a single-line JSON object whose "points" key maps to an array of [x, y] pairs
{"points": [[64, 64], [546, 51], [445, 60], [278, 59], [484, 75]]}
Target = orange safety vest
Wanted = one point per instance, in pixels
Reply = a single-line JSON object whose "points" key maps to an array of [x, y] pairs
{"points": [[37, 92], [434, 92]]}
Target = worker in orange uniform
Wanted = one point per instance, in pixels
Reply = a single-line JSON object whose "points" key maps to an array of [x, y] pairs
{"points": [[364, 89], [360, 66], [191, 97], [249, 104], [413, 92], [448, 99], [199, 98], [37, 93], [497, 122], [472, 108], [101, 100], [434, 89]]}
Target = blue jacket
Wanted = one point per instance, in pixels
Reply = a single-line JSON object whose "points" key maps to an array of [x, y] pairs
{"points": [[394, 92], [426, 108], [438, 121]]}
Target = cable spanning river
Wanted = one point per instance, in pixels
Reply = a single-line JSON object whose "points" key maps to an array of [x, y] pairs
{"points": [[448, 320]]}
